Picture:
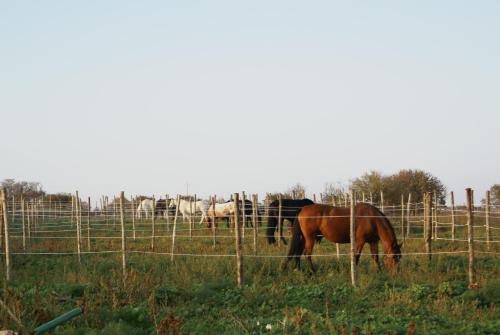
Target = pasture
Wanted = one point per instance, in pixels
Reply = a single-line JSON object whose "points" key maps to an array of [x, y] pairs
{"points": [[195, 291]]}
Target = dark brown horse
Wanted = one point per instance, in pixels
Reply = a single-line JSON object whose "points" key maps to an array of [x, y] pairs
{"points": [[289, 210], [334, 224]]}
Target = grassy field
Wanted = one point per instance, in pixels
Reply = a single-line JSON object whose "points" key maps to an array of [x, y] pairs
{"points": [[198, 295]]}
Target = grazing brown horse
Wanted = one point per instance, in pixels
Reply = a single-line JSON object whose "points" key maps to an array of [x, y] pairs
{"points": [[334, 224]]}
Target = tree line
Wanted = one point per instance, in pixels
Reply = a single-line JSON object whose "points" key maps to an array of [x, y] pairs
{"points": [[413, 181]]}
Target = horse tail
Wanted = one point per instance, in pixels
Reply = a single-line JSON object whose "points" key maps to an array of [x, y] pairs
{"points": [[272, 224], [297, 243]]}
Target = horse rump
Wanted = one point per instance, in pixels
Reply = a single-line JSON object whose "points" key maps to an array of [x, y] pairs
{"points": [[297, 245]]}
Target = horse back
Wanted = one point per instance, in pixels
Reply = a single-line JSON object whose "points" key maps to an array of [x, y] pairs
{"points": [[334, 222], [324, 220]]}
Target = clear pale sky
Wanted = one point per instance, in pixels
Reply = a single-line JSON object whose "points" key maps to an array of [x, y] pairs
{"points": [[103, 96]]}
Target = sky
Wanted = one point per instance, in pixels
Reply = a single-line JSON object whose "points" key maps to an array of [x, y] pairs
{"points": [[227, 96]]}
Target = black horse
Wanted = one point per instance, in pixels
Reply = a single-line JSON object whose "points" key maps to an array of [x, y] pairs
{"points": [[248, 211], [290, 208], [161, 207]]}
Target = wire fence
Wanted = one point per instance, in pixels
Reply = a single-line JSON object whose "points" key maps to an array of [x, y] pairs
{"points": [[48, 228], [59, 222]]}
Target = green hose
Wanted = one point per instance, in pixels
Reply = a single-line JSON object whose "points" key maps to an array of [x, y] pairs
{"points": [[57, 321]]}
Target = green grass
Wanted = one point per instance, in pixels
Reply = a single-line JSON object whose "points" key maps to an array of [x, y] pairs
{"points": [[198, 295]]}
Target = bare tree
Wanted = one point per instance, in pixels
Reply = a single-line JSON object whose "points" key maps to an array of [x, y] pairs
{"points": [[332, 190], [26, 189]]}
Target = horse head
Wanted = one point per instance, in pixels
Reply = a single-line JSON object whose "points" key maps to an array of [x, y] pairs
{"points": [[393, 257]]}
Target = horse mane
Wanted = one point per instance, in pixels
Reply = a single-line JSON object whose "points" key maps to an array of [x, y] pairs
{"points": [[387, 225]]}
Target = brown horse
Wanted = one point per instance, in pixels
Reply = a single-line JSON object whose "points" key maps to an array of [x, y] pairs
{"points": [[334, 224]]}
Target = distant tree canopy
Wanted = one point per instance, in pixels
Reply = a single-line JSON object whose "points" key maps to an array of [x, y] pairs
{"points": [[416, 182], [495, 195], [26, 189], [296, 191], [59, 197], [332, 190]]}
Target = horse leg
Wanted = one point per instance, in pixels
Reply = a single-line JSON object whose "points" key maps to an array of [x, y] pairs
{"points": [[281, 231], [299, 254], [295, 254], [309, 244], [374, 251], [359, 248]]}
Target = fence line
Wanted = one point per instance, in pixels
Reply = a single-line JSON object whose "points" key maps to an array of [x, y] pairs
{"points": [[427, 215]]}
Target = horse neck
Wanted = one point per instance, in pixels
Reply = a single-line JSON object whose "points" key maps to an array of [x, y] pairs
{"points": [[386, 234]]}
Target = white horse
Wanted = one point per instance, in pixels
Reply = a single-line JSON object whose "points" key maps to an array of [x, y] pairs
{"points": [[200, 206], [146, 207], [225, 210]]}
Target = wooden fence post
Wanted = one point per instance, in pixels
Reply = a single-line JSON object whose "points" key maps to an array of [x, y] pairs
{"points": [[3, 199], [452, 216], [194, 211], [243, 215], [382, 201], [133, 217], [254, 222], [13, 216], [167, 215], [153, 230], [402, 216], [28, 206], [35, 212], [72, 209], [408, 208], [280, 228], [88, 223], [115, 210], [353, 239], [101, 208], [435, 216], [80, 219], [190, 221], [214, 226], [470, 237], [78, 236], [124, 237], [174, 227], [106, 210], [35, 217], [428, 225], [42, 207], [239, 256], [314, 197], [433, 211], [487, 219], [23, 222]]}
